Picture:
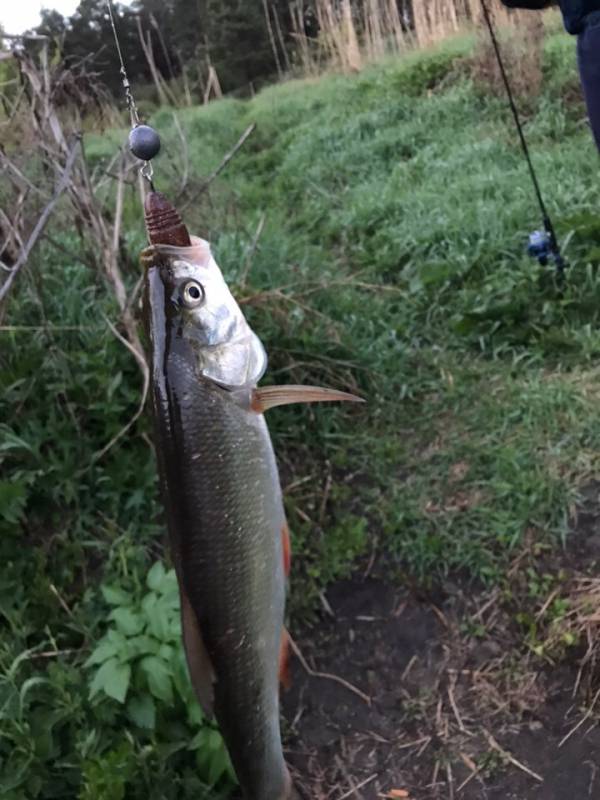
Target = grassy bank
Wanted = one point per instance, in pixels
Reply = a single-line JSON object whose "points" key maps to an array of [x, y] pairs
{"points": [[391, 262]]}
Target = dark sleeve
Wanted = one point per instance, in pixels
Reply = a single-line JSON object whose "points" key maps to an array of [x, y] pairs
{"points": [[536, 5]]}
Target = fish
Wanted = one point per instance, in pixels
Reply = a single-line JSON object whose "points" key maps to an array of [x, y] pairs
{"points": [[222, 495]]}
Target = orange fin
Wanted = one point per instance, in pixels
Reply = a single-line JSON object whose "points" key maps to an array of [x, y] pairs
{"points": [[200, 667], [285, 677], [272, 396], [287, 549]]}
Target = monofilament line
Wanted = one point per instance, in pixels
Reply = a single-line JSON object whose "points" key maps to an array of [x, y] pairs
{"points": [[135, 120], [147, 169]]}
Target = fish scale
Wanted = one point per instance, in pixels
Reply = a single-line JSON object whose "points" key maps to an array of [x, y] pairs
{"points": [[223, 488]]}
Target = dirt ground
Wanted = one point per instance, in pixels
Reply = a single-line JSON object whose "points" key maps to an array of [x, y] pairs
{"points": [[446, 696]]}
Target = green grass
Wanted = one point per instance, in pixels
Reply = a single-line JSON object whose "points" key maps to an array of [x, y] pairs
{"points": [[397, 207]]}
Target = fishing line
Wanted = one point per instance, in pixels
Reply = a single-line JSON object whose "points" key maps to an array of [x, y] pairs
{"points": [[537, 247], [143, 140]]}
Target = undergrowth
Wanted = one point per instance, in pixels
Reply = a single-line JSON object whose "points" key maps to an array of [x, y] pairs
{"points": [[391, 263]]}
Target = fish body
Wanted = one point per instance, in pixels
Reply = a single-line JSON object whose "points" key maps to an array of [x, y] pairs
{"points": [[224, 505]]}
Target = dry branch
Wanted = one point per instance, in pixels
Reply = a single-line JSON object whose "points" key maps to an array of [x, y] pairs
{"points": [[327, 675], [43, 220], [225, 161], [185, 169], [95, 226], [251, 251], [272, 38], [165, 96], [280, 38], [510, 758]]}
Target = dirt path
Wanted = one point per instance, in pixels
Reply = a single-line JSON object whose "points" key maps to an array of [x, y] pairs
{"points": [[456, 709]]}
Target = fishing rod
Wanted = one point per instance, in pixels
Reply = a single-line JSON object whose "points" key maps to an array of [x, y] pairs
{"points": [[543, 244]]}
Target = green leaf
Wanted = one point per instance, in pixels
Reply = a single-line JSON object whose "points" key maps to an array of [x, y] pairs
{"points": [[170, 588], [103, 652], [10, 441], [198, 742], [114, 385], [116, 637], [219, 766], [127, 621], [156, 576], [115, 596], [142, 711], [214, 741], [15, 770], [30, 684], [13, 497], [148, 603], [167, 652], [142, 646], [113, 679], [159, 679], [161, 621]]}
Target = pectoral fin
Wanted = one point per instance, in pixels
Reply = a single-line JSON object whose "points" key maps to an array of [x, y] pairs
{"points": [[271, 396], [201, 670]]}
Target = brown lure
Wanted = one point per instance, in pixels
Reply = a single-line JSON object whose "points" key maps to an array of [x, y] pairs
{"points": [[164, 223]]}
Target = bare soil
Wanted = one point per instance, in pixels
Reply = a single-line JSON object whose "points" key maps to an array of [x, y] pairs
{"points": [[457, 705]]}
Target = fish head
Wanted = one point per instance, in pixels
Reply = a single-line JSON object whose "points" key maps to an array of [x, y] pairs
{"points": [[189, 302]]}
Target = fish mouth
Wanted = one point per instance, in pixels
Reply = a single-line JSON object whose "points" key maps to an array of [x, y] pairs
{"points": [[197, 254], [149, 257]]}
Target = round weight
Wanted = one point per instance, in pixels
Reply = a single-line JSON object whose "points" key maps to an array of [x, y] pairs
{"points": [[144, 142]]}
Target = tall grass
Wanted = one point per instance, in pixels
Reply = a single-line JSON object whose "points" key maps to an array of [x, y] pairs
{"points": [[355, 32]]}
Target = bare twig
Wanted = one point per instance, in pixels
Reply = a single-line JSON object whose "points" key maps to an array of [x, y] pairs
{"points": [[509, 757], [118, 213], [165, 95], [212, 84], [34, 37], [326, 675], [60, 599], [19, 175], [453, 705], [349, 780], [52, 654], [475, 770], [326, 606], [585, 717], [325, 497], [286, 57], [185, 171], [408, 667], [145, 389], [450, 780], [50, 328], [215, 174], [251, 251], [272, 38], [43, 220], [355, 789]]}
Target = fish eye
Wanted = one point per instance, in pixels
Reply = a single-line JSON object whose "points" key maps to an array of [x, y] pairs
{"points": [[192, 294]]}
